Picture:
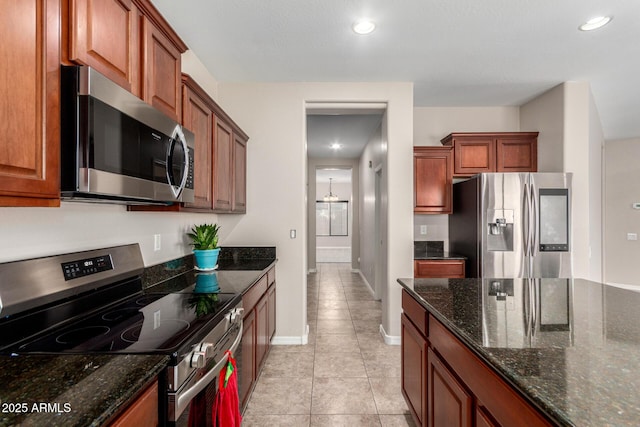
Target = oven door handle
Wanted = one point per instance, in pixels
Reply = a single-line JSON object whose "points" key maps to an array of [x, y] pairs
{"points": [[185, 397]]}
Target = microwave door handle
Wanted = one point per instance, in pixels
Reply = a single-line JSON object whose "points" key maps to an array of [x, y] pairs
{"points": [[178, 136]]}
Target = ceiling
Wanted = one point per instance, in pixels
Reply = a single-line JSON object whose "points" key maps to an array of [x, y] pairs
{"points": [[457, 53], [350, 131], [338, 176]]}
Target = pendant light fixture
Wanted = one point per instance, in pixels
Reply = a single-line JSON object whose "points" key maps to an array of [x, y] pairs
{"points": [[330, 197]]}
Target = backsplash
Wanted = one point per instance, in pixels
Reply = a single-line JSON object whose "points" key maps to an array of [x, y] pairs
{"points": [[433, 247]]}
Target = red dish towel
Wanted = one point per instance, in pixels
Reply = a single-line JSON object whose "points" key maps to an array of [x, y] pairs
{"points": [[226, 407]]}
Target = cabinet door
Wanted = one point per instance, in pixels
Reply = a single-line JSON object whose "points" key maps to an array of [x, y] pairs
{"points": [[433, 180], [517, 154], [239, 174], [262, 331], [414, 369], [439, 269], [143, 412], [162, 64], [30, 103], [483, 419], [271, 297], [104, 34], [197, 117], [474, 155], [222, 177], [449, 404], [247, 372]]}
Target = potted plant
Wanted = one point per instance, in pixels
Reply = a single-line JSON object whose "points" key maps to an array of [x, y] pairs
{"points": [[204, 238]]}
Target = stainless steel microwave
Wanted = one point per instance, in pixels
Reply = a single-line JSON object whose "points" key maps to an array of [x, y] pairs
{"points": [[116, 148]]}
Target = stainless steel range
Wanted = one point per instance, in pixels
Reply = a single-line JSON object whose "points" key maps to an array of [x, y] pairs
{"points": [[93, 302]]}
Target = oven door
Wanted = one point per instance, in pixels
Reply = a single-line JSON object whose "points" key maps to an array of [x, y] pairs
{"points": [[191, 404]]}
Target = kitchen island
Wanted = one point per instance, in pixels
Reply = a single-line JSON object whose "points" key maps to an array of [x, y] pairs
{"points": [[564, 352]]}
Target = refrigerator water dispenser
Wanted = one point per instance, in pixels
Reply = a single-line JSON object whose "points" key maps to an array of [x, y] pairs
{"points": [[500, 230]]}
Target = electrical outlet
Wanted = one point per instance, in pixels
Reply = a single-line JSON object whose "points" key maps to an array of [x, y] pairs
{"points": [[423, 229], [632, 236], [157, 242]]}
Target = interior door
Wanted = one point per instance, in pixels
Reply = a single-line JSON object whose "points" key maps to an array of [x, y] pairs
{"points": [[503, 213]]}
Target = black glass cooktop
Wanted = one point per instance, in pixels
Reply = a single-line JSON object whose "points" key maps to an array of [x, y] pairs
{"points": [[146, 323]]}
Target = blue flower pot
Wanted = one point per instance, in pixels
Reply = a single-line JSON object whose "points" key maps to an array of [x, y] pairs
{"points": [[206, 259], [206, 283]]}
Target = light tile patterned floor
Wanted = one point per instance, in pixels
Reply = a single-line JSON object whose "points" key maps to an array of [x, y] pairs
{"points": [[345, 376]]}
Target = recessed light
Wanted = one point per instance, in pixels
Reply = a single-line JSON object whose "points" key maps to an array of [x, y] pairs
{"points": [[335, 146], [595, 23], [363, 27]]}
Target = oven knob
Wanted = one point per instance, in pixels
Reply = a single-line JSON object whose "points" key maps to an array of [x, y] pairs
{"points": [[206, 348], [198, 359]]}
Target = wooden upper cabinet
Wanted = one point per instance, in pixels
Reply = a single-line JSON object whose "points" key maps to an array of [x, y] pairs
{"points": [[30, 103], [162, 68], [239, 204], [517, 153], [222, 172], [198, 117], [433, 180], [105, 35], [475, 153]]}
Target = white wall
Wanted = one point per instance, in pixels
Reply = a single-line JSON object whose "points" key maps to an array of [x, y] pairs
{"points": [[570, 140], [431, 124], [545, 114], [192, 65], [273, 115], [34, 232], [374, 153], [621, 191]]}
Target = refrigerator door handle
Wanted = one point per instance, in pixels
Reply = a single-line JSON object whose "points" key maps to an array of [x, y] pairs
{"points": [[534, 222], [526, 213]]}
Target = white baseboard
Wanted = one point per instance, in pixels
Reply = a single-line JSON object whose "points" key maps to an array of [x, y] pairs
{"points": [[291, 340], [389, 339], [369, 287], [312, 270]]}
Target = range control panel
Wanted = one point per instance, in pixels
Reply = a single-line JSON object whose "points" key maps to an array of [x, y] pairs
{"points": [[87, 266]]}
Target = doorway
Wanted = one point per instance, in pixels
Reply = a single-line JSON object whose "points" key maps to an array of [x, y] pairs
{"points": [[336, 140]]}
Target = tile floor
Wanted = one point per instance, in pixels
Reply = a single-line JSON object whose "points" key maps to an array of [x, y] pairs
{"points": [[345, 376]]}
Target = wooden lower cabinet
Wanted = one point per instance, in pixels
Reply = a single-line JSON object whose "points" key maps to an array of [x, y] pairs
{"points": [[141, 413], [256, 336], [445, 384], [414, 369], [271, 301], [449, 404], [247, 372], [262, 330], [453, 268]]}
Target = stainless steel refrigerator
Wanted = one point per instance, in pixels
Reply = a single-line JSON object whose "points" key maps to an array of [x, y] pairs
{"points": [[513, 225]]}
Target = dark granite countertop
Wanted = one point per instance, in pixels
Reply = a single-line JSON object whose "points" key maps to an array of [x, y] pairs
{"points": [[87, 389], [578, 364], [432, 250]]}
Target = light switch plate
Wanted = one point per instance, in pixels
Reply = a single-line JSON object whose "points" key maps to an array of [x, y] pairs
{"points": [[157, 242], [632, 236]]}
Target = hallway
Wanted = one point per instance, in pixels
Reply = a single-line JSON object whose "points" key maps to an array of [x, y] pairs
{"points": [[345, 376]]}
